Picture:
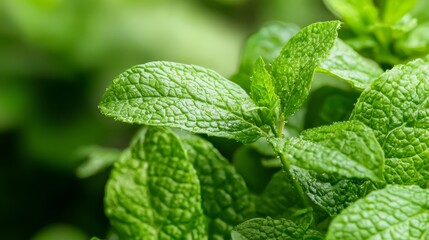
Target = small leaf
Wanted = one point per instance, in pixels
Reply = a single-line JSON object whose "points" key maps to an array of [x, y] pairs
{"points": [[396, 212], [346, 64], [348, 149], [268, 228], [225, 199], [415, 42], [396, 107], [99, 158], [329, 192], [153, 191], [263, 93], [266, 43], [358, 14], [184, 96], [248, 163], [280, 198], [293, 69], [327, 105]]}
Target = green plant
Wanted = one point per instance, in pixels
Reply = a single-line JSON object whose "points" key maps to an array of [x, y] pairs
{"points": [[361, 176]]}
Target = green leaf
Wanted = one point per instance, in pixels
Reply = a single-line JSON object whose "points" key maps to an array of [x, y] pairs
{"points": [[268, 228], [225, 199], [184, 96], [349, 149], [263, 93], [396, 107], [266, 43], [279, 199], [154, 192], [293, 69], [396, 212], [331, 193], [99, 158], [248, 163], [358, 14], [415, 42], [394, 10], [346, 64], [327, 105]]}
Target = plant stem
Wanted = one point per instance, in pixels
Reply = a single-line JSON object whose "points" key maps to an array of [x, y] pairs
{"points": [[295, 182], [286, 164]]}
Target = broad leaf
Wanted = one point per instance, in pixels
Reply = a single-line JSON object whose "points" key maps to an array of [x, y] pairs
{"points": [[396, 107], [226, 201], [396, 212], [293, 69], [358, 14], [153, 191], [344, 63], [268, 228], [331, 193], [348, 149], [184, 96], [263, 93]]}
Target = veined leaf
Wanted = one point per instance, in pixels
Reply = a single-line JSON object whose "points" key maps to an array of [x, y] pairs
{"points": [[358, 14], [263, 93], [344, 63], [396, 107], [331, 193], [184, 96], [348, 149], [226, 201], [268, 228], [153, 191], [293, 69], [396, 212]]}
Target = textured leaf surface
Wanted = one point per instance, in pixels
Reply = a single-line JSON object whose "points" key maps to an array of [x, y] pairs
{"points": [[263, 93], [344, 63], [396, 212], [184, 96], [329, 192], [268, 228], [358, 14], [293, 69], [154, 192], [225, 199], [349, 149], [396, 107]]}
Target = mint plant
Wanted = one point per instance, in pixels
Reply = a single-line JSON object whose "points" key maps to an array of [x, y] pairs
{"points": [[361, 178]]}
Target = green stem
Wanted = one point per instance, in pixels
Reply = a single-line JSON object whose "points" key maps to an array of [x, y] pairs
{"points": [[286, 165], [295, 182]]}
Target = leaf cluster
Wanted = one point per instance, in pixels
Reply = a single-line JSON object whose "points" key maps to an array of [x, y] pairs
{"points": [[359, 178]]}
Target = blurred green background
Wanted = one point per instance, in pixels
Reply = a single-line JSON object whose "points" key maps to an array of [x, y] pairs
{"points": [[56, 59]]}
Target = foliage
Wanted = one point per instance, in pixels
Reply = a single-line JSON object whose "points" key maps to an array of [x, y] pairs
{"points": [[361, 175]]}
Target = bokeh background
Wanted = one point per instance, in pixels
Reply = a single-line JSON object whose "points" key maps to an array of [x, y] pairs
{"points": [[56, 59]]}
